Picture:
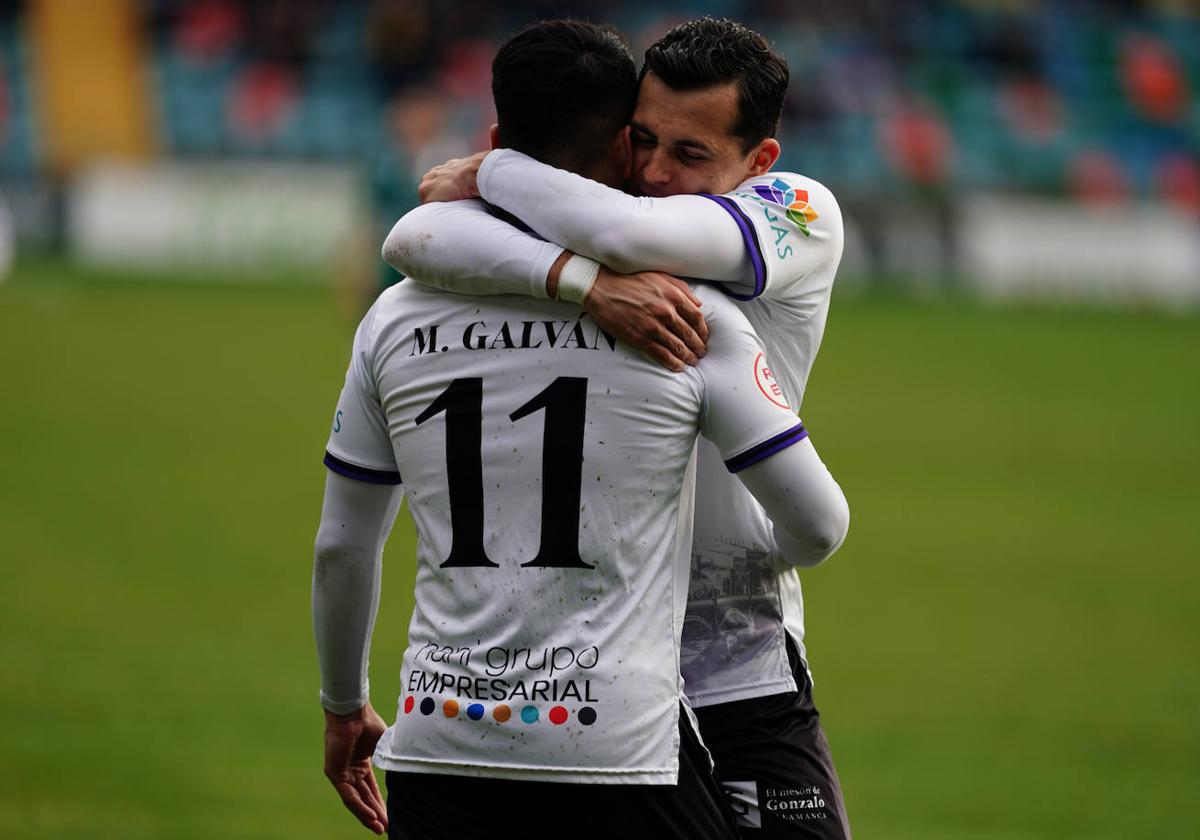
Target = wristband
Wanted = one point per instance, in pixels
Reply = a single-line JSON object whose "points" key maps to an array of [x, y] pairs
{"points": [[576, 279]]}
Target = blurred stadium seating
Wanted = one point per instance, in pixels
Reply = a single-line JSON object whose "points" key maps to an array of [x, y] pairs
{"points": [[902, 108]]}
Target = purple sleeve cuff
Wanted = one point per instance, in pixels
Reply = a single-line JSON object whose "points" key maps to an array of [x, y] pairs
{"points": [[358, 473], [767, 448], [753, 247]]}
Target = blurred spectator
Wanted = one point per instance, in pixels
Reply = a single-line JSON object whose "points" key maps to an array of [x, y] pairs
{"points": [[1032, 111], [466, 70], [915, 141], [1096, 178], [419, 134], [419, 126], [5, 107], [283, 30], [209, 29], [1153, 79], [261, 100], [1178, 181], [401, 42], [1005, 44]]}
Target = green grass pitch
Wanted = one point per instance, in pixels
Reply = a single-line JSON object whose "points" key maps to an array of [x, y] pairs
{"points": [[1008, 645]]}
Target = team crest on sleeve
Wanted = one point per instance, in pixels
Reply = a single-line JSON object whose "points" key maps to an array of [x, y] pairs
{"points": [[767, 384], [794, 202]]}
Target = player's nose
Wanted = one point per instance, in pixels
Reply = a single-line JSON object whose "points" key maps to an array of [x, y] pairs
{"points": [[656, 170]]}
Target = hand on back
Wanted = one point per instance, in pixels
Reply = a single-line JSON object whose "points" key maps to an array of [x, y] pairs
{"points": [[655, 312]]}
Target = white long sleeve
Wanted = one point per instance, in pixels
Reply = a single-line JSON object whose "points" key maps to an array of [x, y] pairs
{"points": [[781, 470], [807, 507], [685, 235], [356, 518], [460, 246]]}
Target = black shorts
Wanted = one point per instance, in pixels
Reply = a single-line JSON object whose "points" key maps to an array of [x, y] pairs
{"points": [[774, 763], [423, 806]]}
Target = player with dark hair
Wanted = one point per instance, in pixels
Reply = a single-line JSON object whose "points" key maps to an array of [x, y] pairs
{"points": [[705, 204], [705, 53], [589, 96], [547, 470]]}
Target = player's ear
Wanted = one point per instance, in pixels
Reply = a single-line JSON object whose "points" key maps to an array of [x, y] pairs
{"points": [[494, 135], [763, 157], [624, 153]]}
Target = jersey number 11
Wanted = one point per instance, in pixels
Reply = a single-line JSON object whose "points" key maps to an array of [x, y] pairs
{"points": [[565, 401]]}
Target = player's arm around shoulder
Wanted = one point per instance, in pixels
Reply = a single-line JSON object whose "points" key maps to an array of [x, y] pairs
{"points": [[461, 246], [683, 235], [764, 443]]}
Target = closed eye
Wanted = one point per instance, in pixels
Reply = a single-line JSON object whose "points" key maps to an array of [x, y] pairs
{"points": [[642, 139]]}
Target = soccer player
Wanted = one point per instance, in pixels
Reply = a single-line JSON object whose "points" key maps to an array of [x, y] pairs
{"points": [[546, 468], [710, 99]]}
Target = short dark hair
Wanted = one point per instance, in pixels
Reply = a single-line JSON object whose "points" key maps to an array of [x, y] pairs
{"points": [[563, 90], [706, 52]]}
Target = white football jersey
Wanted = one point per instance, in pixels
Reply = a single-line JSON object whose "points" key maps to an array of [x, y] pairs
{"points": [[744, 595], [546, 470]]}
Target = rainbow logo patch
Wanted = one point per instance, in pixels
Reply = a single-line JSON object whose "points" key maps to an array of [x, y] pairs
{"points": [[794, 202]]}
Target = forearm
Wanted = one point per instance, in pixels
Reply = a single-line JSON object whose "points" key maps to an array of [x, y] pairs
{"points": [[684, 235], [809, 511], [459, 246], [355, 521]]}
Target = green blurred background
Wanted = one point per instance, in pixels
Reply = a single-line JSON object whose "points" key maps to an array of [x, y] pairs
{"points": [[1005, 647], [192, 196]]}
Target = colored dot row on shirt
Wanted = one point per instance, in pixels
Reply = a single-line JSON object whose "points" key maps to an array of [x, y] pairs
{"points": [[501, 713]]}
